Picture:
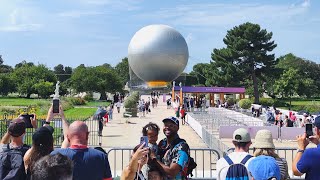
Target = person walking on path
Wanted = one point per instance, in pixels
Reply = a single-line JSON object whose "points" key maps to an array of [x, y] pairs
{"points": [[118, 105]]}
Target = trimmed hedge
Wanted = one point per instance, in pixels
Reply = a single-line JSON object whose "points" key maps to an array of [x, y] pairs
{"points": [[245, 103]]}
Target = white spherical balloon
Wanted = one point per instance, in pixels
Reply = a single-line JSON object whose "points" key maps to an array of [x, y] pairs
{"points": [[158, 53]]}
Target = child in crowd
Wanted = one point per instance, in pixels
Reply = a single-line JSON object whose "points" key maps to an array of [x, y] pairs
{"points": [[152, 131]]}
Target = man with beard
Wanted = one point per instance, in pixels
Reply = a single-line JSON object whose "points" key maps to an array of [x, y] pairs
{"points": [[173, 151]]}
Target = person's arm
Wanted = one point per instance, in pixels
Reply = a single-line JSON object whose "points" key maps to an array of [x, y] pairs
{"points": [[26, 159], [49, 117], [65, 127], [174, 167], [34, 121], [5, 139], [130, 171], [302, 144]]}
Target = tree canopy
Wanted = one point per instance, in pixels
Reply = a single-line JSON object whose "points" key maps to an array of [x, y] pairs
{"points": [[247, 55]]}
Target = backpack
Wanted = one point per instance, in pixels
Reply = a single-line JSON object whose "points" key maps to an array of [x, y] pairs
{"points": [[191, 165], [237, 171], [11, 163]]}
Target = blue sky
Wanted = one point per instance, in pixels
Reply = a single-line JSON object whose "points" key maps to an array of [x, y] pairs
{"points": [[93, 32]]}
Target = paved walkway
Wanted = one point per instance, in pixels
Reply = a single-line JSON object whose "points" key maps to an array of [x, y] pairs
{"points": [[118, 133]]}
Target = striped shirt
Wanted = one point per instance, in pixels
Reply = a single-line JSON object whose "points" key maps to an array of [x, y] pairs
{"points": [[283, 165]]}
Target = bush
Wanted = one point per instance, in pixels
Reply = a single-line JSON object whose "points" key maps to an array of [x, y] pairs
{"points": [[77, 101], [245, 103], [131, 101], [231, 101], [266, 101], [88, 97]]}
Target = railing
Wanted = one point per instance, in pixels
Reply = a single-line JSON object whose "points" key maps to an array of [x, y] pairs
{"points": [[94, 139], [205, 158], [286, 153]]}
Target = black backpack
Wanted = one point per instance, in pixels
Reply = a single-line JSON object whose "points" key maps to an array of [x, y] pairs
{"points": [[11, 162]]}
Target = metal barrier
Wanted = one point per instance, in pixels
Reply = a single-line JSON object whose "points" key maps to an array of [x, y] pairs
{"points": [[286, 153], [94, 139], [205, 158]]}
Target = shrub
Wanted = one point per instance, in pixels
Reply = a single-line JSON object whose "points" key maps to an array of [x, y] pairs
{"points": [[231, 101], [77, 101], [131, 101], [245, 103], [88, 97], [266, 101], [66, 105]]}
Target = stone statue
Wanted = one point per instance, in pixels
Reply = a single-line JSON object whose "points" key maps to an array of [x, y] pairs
{"points": [[56, 91]]}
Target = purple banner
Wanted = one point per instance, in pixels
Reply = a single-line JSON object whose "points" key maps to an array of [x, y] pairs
{"points": [[189, 89]]}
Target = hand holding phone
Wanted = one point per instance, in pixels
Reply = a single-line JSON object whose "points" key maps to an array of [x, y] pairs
{"points": [[55, 105], [144, 139], [309, 130]]}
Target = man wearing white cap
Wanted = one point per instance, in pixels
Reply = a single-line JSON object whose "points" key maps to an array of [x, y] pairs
{"points": [[242, 141]]}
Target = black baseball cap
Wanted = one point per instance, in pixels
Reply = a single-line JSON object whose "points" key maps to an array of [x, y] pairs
{"points": [[43, 136], [17, 127], [172, 119]]}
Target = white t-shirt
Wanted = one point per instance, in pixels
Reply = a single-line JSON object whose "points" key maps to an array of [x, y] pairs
{"points": [[222, 164]]}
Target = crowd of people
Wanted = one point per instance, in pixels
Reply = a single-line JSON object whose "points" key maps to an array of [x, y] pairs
{"points": [[265, 163], [276, 117], [168, 159], [74, 160]]}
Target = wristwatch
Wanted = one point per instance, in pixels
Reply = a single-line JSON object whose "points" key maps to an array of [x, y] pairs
{"points": [[300, 150]]}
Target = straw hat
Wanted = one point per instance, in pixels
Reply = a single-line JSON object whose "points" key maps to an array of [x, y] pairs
{"points": [[264, 139]]}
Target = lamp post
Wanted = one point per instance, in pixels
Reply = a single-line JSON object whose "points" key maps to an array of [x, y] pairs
{"points": [[172, 95], [181, 95]]}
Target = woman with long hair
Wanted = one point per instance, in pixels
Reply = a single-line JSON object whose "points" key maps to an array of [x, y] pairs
{"points": [[263, 145], [42, 145]]}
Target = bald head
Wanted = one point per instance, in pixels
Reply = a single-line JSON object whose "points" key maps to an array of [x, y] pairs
{"points": [[78, 131]]}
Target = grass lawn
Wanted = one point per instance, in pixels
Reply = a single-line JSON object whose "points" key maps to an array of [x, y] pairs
{"points": [[13, 101], [79, 113], [97, 103]]}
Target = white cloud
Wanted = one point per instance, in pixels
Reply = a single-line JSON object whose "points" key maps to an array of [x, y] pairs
{"points": [[77, 14], [306, 4], [128, 5], [21, 27], [222, 15], [20, 19]]}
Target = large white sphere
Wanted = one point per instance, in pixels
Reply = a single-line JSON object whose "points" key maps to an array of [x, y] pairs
{"points": [[158, 53]]}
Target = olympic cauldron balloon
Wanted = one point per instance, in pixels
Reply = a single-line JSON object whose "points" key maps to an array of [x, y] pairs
{"points": [[158, 54]]}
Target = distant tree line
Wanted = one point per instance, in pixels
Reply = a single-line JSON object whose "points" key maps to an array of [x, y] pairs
{"points": [[27, 78], [247, 61]]}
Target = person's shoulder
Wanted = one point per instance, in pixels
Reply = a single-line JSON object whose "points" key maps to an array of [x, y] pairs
{"points": [[62, 151]]}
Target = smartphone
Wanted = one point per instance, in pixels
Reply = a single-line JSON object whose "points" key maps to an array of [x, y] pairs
{"points": [[55, 105], [309, 130], [27, 119], [144, 139]]}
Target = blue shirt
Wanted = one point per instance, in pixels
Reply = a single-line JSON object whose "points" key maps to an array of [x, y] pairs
{"points": [[88, 163], [309, 163]]}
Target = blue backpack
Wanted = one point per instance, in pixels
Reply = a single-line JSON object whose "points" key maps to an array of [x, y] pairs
{"points": [[237, 171]]}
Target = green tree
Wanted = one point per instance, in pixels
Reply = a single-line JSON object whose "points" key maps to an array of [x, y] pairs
{"points": [[96, 79], [44, 88], [199, 71], [7, 84], [122, 69], [247, 55], [306, 69], [27, 75], [63, 73], [4, 68]]}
